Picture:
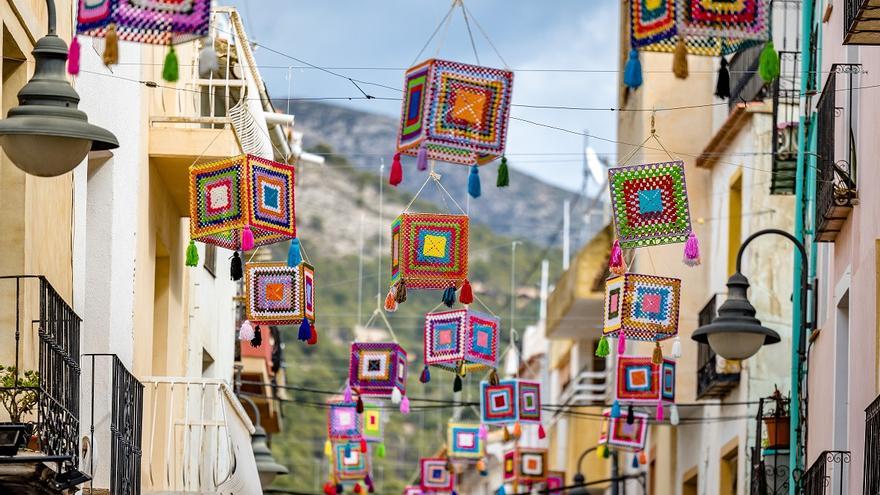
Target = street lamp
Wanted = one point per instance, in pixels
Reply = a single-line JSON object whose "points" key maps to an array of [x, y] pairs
{"points": [[267, 468], [736, 333], [580, 480], [46, 135]]}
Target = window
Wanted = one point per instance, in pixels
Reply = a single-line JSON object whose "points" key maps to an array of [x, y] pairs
{"points": [[729, 472], [690, 483], [211, 259], [734, 222]]}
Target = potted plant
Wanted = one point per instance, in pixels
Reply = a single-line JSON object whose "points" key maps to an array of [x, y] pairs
{"points": [[18, 395], [776, 421]]}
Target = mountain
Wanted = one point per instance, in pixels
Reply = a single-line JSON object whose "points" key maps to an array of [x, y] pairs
{"points": [[528, 209]]}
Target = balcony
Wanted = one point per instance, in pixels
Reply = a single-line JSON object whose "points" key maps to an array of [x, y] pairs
{"points": [[861, 22], [872, 448], [576, 306], [216, 115], [40, 416], [786, 93], [587, 388], [768, 462], [716, 376], [261, 374], [836, 191], [827, 474], [746, 84], [112, 456], [196, 438]]}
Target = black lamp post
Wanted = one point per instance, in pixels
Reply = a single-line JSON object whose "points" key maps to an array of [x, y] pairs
{"points": [[46, 135], [736, 333], [580, 479]]}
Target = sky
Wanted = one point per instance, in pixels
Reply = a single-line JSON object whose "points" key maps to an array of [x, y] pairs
{"points": [[385, 36]]}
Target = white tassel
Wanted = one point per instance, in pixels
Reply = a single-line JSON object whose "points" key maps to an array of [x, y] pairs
{"points": [[676, 348], [396, 396], [673, 415], [246, 332]]}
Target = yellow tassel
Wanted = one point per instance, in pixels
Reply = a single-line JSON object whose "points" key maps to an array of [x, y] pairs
{"points": [[328, 449], [111, 45], [679, 59], [506, 434], [657, 358]]}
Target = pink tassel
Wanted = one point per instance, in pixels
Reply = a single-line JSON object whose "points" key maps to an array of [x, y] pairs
{"points": [[621, 342], [616, 264], [396, 176], [422, 157], [691, 250], [247, 239], [660, 416], [347, 395], [404, 405], [484, 432], [73, 57], [541, 434]]}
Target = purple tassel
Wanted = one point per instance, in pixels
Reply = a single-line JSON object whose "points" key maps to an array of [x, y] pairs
{"points": [[347, 395], [621, 342], [691, 250], [404, 405], [660, 416], [616, 264], [484, 432], [422, 157]]}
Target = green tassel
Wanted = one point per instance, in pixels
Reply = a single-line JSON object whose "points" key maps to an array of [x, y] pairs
{"points": [[380, 450], [603, 349], [169, 71], [503, 174], [192, 254], [768, 66]]}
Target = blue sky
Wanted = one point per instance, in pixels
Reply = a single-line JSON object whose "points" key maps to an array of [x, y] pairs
{"points": [[388, 34]]}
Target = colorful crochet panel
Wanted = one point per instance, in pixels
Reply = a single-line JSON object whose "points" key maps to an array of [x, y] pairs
{"points": [[498, 403], [343, 420], [525, 466], [644, 307], [650, 204], [429, 250], [278, 294], [229, 195], [374, 430], [463, 441], [640, 381], [710, 27], [413, 490], [459, 112], [350, 463], [377, 368], [159, 22], [461, 337], [619, 434], [529, 397], [555, 480], [435, 476]]}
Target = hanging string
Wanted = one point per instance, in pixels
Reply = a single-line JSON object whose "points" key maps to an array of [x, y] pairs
{"points": [[470, 34], [488, 40], [431, 38]]}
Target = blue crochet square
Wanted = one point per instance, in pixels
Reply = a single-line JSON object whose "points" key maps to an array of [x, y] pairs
{"points": [[650, 201]]}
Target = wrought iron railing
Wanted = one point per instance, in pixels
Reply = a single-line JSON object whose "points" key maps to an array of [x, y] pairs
{"points": [[125, 406], [769, 466], [786, 93], [827, 474], [57, 327], [835, 179], [710, 381], [746, 84], [871, 484]]}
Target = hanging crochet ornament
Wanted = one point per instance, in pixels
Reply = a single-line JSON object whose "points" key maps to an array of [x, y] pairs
{"points": [[457, 113], [429, 251], [349, 462], [374, 427], [277, 294], [555, 482], [624, 434], [413, 490], [650, 206], [525, 466], [157, 22], [378, 369], [641, 381], [461, 341], [641, 307], [343, 420], [435, 476], [240, 203], [463, 441]]}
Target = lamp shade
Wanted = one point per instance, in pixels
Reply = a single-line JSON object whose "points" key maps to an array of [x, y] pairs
{"points": [[46, 135], [736, 333]]}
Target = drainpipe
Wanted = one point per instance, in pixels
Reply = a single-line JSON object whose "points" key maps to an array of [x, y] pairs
{"points": [[798, 340]]}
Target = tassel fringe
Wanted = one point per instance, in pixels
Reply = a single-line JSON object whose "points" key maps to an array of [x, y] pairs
{"points": [[466, 293], [632, 72], [679, 59], [503, 179], [722, 85], [235, 269], [422, 157], [616, 263], [396, 175], [294, 254], [691, 250], [474, 188], [247, 239], [603, 349], [192, 254], [111, 45], [73, 57], [246, 332]]}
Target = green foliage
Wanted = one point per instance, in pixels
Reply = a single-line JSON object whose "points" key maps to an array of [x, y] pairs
{"points": [[18, 400]]}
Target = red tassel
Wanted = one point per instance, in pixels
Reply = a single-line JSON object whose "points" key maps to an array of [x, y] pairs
{"points": [[363, 446], [73, 57], [541, 434], [358, 489], [313, 339], [616, 264], [396, 176], [466, 296]]}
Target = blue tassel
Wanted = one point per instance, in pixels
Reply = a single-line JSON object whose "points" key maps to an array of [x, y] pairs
{"points": [[615, 409], [347, 450], [632, 73], [501, 491], [426, 375], [635, 463], [474, 182], [294, 257], [449, 296], [305, 330]]}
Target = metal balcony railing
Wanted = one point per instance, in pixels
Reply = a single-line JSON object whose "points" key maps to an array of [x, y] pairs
{"points": [[123, 409], [587, 388], [746, 84], [861, 22], [871, 484], [827, 474], [714, 379], [836, 191], [768, 467], [786, 93], [34, 304]]}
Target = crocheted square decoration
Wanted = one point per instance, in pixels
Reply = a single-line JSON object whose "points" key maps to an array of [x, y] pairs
{"points": [[349, 463], [145, 21], [429, 250], [463, 441], [435, 475], [644, 307], [640, 381], [525, 465], [461, 338], [498, 403], [343, 420], [624, 435], [277, 294], [377, 368]]}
